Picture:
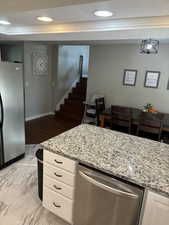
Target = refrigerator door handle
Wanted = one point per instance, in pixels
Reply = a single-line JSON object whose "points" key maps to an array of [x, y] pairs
{"points": [[2, 110]]}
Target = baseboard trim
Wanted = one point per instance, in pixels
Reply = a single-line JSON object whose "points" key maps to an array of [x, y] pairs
{"points": [[66, 95], [39, 116], [12, 161]]}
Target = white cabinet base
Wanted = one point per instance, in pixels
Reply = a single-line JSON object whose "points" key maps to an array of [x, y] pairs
{"points": [[58, 204], [156, 210], [58, 185]]}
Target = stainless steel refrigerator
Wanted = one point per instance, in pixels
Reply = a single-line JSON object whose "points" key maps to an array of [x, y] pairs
{"points": [[12, 128]]}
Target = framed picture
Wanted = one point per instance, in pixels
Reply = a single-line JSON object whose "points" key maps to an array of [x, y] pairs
{"points": [[40, 63], [152, 79], [129, 78]]}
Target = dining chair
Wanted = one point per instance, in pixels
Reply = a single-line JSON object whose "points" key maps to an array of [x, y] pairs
{"points": [[89, 116], [121, 116], [90, 113], [100, 107], [150, 123]]}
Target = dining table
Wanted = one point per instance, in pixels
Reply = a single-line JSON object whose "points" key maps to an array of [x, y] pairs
{"points": [[106, 115]]}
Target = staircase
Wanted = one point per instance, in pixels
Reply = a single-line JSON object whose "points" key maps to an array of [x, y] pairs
{"points": [[73, 107]]}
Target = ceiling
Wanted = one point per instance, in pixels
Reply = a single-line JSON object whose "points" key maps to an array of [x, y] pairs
{"points": [[74, 20], [9, 6], [84, 12]]}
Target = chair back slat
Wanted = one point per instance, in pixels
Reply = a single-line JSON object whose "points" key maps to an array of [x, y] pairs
{"points": [[151, 119], [121, 116], [121, 112], [100, 104], [100, 107], [151, 123]]}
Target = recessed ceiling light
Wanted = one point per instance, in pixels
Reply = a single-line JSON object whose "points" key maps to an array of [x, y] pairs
{"points": [[44, 19], [103, 13], [4, 22]]}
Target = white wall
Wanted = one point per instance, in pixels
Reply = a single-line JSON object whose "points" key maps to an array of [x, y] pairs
{"points": [[68, 68], [38, 89], [42, 93], [107, 64]]}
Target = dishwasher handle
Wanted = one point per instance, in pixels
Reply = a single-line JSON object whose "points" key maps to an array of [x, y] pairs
{"points": [[106, 187]]}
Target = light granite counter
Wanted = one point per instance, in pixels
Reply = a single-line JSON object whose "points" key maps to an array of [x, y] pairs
{"points": [[138, 160]]}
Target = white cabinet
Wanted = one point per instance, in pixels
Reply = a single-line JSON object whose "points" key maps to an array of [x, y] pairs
{"points": [[59, 174], [58, 185], [156, 211], [58, 204], [60, 161]]}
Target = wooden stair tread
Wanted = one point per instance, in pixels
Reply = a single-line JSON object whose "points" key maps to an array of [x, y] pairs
{"points": [[73, 107]]}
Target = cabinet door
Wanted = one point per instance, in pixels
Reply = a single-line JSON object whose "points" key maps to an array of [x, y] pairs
{"points": [[156, 210]]}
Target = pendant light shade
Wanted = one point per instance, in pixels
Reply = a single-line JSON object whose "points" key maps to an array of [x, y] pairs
{"points": [[149, 46]]}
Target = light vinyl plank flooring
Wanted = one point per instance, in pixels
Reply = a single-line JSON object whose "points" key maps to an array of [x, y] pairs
{"points": [[19, 202]]}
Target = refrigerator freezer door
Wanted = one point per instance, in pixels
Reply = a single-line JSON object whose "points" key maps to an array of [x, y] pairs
{"points": [[13, 129]]}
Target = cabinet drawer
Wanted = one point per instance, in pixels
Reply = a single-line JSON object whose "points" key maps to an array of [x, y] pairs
{"points": [[60, 161], [58, 204], [59, 174], [59, 187]]}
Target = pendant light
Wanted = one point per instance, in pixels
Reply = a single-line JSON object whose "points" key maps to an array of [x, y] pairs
{"points": [[149, 46]]}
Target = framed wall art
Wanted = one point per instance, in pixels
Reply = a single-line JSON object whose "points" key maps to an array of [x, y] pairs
{"points": [[152, 79], [129, 78], [39, 63]]}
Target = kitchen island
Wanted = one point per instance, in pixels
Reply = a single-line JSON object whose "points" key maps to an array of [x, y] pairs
{"points": [[137, 160]]}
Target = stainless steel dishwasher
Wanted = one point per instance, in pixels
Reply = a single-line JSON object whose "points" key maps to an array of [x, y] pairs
{"points": [[103, 200]]}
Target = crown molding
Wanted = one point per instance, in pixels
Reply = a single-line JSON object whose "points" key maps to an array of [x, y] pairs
{"points": [[92, 37], [90, 26]]}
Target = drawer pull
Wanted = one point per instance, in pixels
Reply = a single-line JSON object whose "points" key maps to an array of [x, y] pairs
{"points": [[57, 206], [57, 175], [58, 162], [57, 188]]}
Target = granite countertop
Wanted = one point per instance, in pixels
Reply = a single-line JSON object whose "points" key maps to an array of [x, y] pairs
{"points": [[138, 160]]}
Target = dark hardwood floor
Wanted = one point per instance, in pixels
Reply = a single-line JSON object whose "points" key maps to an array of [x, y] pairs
{"points": [[47, 127], [69, 116], [44, 128]]}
